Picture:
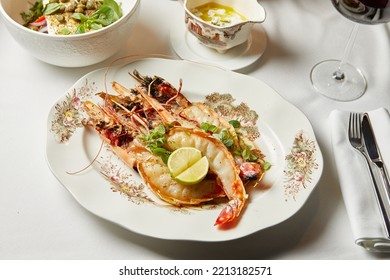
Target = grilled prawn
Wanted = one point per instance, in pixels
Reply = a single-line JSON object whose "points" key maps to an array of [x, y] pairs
{"points": [[125, 142], [221, 163]]}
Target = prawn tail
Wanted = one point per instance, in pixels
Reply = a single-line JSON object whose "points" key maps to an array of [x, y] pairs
{"points": [[231, 211]]}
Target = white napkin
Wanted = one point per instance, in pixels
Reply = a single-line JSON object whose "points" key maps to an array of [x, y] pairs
{"points": [[356, 184]]}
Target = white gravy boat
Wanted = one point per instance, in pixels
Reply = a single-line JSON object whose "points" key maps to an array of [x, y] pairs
{"points": [[222, 38]]}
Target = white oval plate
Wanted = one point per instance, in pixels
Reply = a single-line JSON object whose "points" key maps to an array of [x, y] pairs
{"points": [[287, 139]]}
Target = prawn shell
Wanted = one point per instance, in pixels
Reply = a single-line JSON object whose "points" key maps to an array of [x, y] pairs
{"points": [[221, 163], [156, 175], [200, 113]]}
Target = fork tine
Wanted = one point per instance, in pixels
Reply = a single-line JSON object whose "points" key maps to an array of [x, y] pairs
{"points": [[350, 125], [353, 133], [355, 126], [358, 125]]}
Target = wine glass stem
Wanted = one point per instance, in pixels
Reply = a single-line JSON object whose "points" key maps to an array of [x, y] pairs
{"points": [[339, 74]]}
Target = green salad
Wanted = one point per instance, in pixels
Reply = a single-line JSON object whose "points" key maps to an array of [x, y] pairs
{"points": [[66, 17]]}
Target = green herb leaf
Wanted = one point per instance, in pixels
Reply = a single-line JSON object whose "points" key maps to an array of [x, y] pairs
{"points": [[161, 152], [114, 6], [248, 155], [80, 29], [235, 123], [106, 14], [267, 166], [155, 141], [208, 127], [160, 129], [96, 26], [79, 16], [65, 31], [34, 12], [228, 142], [225, 138], [51, 8]]}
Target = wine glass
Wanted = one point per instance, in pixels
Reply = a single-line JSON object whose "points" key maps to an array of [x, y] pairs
{"points": [[337, 79]]}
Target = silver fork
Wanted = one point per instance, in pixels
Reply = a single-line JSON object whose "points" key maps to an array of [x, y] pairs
{"points": [[356, 139]]}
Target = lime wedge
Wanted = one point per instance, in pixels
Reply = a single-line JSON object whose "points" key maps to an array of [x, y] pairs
{"points": [[194, 174], [182, 159]]}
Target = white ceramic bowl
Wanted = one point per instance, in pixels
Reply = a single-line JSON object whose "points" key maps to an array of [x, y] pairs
{"points": [[70, 50], [222, 38]]}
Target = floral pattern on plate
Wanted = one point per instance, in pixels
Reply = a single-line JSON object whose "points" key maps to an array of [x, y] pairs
{"points": [[301, 163], [69, 114]]}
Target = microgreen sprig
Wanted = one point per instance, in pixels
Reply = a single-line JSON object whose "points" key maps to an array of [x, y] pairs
{"points": [[155, 141], [225, 138], [248, 155], [235, 123], [208, 127], [267, 166], [228, 140]]}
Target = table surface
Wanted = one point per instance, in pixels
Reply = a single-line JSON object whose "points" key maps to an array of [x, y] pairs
{"points": [[41, 220]]}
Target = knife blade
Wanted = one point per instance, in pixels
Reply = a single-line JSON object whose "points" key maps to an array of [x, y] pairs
{"points": [[370, 141], [372, 146], [374, 154]]}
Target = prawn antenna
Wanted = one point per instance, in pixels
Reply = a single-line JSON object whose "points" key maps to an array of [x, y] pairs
{"points": [[90, 164]]}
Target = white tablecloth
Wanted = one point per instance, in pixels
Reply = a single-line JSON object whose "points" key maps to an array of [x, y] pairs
{"points": [[39, 219]]}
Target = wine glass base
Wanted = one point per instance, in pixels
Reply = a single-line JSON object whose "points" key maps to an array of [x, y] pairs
{"points": [[347, 88]]}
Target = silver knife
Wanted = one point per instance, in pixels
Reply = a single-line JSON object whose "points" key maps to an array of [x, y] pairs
{"points": [[375, 157]]}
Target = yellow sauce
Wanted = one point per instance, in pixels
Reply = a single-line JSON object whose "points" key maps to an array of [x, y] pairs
{"points": [[217, 14]]}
